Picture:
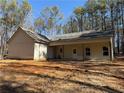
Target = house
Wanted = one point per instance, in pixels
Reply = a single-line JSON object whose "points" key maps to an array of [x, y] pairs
{"points": [[87, 45], [23, 44]]}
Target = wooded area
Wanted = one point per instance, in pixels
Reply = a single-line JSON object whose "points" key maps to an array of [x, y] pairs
{"points": [[99, 15], [12, 15]]}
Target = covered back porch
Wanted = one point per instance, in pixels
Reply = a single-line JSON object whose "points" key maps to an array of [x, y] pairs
{"points": [[95, 49]]}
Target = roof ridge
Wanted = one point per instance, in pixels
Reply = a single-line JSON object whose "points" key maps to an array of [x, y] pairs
{"points": [[86, 31]]}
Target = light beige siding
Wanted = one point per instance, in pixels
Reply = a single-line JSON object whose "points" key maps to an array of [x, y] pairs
{"points": [[40, 52], [68, 52], [51, 52], [21, 46], [96, 51], [58, 53]]}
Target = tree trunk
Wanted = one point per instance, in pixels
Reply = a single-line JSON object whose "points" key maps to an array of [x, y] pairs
{"points": [[81, 22], [112, 19], [104, 20], [122, 19], [102, 23]]}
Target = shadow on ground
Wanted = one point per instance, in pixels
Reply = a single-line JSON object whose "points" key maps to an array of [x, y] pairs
{"points": [[12, 86], [9, 87]]}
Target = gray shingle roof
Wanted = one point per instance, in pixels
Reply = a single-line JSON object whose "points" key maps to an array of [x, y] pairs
{"points": [[82, 35], [37, 37], [71, 36]]}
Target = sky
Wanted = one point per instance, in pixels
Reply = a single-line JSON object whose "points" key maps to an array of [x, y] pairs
{"points": [[65, 6]]}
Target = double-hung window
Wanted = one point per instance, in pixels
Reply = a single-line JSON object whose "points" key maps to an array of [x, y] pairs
{"points": [[74, 51], [88, 52], [105, 51]]}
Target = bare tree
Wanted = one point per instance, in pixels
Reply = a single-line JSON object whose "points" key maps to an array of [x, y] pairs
{"points": [[12, 15]]}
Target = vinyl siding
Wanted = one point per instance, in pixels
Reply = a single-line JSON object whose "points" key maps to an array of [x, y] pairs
{"points": [[96, 51], [40, 52], [21, 46]]}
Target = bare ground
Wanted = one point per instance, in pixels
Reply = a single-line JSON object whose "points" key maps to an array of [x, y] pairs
{"points": [[61, 77]]}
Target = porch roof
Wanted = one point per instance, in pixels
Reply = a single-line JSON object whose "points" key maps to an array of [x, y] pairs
{"points": [[82, 35], [80, 41]]}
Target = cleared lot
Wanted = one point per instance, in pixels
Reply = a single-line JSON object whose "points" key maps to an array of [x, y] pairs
{"points": [[61, 77]]}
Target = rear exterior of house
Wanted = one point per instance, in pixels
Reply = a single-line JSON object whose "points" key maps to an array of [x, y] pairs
{"points": [[100, 48], [76, 46], [83, 51], [21, 46]]}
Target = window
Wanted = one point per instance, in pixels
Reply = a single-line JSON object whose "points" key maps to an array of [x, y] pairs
{"points": [[60, 50], [74, 51], [87, 51], [105, 51]]}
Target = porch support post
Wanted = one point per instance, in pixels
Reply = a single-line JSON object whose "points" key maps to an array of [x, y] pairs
{"points": [[83, 52], [111, 49], [63, 51]]}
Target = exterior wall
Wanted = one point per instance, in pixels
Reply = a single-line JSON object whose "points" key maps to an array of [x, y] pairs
{"points": [[96, 51], [40, 51], [68, 52], [21, 46], [51, 52], [58, 53]]}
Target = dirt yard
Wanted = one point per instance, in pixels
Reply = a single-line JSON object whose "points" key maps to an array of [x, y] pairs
{"points": [[61, 77]]}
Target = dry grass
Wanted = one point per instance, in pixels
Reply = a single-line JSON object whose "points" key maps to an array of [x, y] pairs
{"points": [[61, 77]]}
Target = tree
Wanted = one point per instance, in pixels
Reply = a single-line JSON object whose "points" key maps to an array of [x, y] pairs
{"points": [[49, 21], [111, 6], [103, 15], [121, 4], [79, 16], [71, 25], [12, 15], [102, 8], [90, 13]]}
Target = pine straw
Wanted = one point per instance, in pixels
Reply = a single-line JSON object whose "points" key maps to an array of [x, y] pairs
{"points": [[27, 76]]}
